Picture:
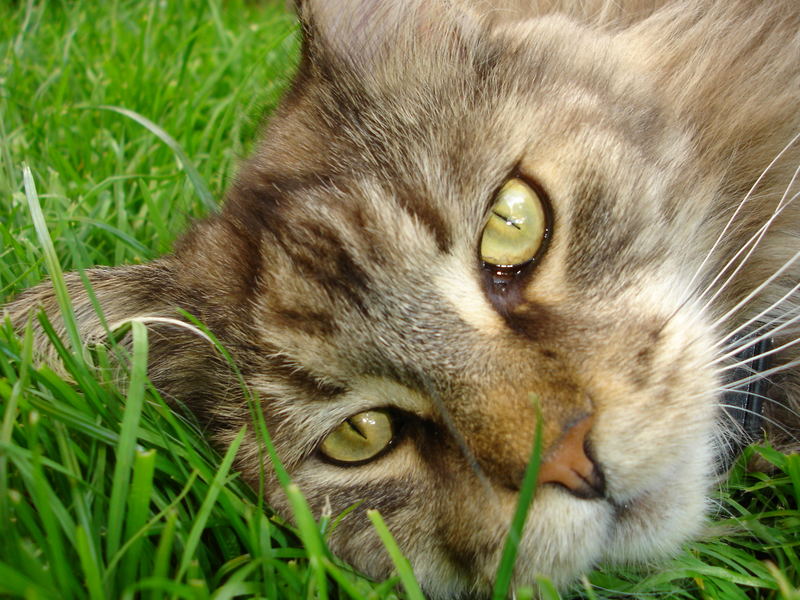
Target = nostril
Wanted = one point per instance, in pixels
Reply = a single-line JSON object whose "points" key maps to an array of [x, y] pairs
{"points": [[595, 478], [570, 463]]}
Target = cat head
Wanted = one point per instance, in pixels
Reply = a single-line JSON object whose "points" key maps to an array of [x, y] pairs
{"points": [[463, 222]]}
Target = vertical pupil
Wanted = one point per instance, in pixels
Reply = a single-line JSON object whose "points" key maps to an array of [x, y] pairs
{"points": [[356, 427]]}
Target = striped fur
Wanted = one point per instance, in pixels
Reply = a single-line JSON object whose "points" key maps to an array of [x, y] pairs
{"points": [[343, 271]]}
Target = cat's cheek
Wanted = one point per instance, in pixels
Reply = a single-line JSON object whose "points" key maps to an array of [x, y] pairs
{"points": [[640, 461], [658, 480]]}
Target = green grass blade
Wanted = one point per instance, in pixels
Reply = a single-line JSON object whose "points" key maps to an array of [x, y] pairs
{"points": [[127, 439], [10, 418], [524, 502], [205, 509], [165, 540], [51, 260], [14, 583], [400, 562], [787, 590], [311, 536], [337, 575], [141, 490], [162, 586], [54, 515], [164, 549], [547, 591], [206, 198], [91, 569], [793, 470]]}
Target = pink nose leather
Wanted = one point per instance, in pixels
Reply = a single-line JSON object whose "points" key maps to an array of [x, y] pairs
{"points": [[568, 464]]}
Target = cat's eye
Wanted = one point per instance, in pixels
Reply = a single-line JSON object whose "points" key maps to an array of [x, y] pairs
{"points": [[359, 438], [517, 226]]}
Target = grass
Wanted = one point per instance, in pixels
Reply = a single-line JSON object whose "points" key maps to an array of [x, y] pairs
{"points": [[130, 117]]}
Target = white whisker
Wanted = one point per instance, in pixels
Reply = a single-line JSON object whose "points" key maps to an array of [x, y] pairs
{"points": [[752, 243], [165, 321], [766, 419], [763, 313], [749, 360], [734, 385], [757, 290], [765, 399], [747, 196], [734, 349]]}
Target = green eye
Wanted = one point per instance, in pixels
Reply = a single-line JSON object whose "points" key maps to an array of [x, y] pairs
{"points": [[516, 227], [359, 438]]}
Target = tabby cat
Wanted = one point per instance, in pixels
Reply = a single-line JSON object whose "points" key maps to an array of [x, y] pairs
{"points": [[467, 217]]}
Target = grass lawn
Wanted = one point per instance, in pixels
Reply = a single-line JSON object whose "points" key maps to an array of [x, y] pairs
{"points": [[100, 502]]}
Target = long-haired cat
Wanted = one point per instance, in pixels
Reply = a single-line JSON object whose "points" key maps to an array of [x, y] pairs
{"points": [[466, 216]]}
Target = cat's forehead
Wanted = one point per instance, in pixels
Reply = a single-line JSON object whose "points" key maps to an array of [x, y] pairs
{"points": [[475, 97], [450, 114], [438, 125], [378, 183]]}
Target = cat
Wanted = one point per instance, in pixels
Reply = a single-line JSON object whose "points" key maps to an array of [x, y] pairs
{"points": [[469, 217]]}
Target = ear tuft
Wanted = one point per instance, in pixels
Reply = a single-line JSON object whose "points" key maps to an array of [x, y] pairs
{"points": [[363, 32]]}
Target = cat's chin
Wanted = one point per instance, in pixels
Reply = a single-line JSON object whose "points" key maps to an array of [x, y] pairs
{"points": [[565, 537], [655, 524]]}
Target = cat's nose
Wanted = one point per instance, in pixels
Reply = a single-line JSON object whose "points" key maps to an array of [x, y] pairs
{"points": [[568, 463]]}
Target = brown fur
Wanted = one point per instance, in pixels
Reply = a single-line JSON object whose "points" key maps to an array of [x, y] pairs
{"points": [[343, 272]]}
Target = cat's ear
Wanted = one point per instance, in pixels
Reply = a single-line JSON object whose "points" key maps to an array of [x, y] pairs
{"points": [[364, 32], [183, 364], [122, 294]]}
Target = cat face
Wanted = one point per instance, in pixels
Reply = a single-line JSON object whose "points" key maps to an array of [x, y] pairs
{"points": [[372, 192], [383, 295], [351, 277]]}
